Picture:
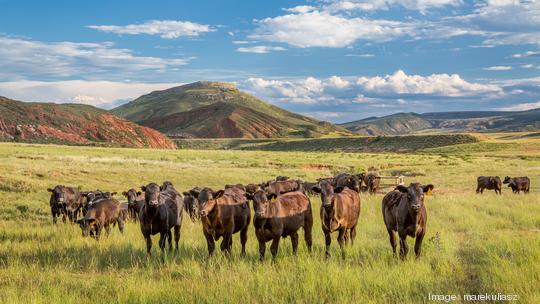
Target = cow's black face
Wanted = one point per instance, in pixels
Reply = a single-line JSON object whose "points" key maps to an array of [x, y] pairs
{"points": [[207, 200], [415, 196], [260, 203], [58, 195], [506, 180], [326, 190], [131, 195], [151, 193]]}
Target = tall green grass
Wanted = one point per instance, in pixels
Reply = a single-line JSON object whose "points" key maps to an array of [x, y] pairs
{"points": [[474, 244]]}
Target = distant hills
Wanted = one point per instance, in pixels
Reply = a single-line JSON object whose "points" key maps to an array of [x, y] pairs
{"points": [[73, 124], [219, 110], [473, 121]]}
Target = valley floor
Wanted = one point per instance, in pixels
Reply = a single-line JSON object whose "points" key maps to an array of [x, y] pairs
{"points": [[475, 244]]}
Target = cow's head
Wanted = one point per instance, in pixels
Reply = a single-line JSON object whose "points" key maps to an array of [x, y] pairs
{"points": [[327, 191], [507, 180], [261, 200], [131, 195], [207, 200], [167, 185], [89, 226], [415, 195], [57, 194], [151, 194], [191, 202]]}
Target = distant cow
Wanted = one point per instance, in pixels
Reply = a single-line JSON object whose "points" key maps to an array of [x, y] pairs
{"points": [[252, 188], [518, 184], [372, 181], [282, 178], [347, 180], [92, 197], [191, 203], [307, 186], [135, 202], [281, 216], [224, 213], [102, 214], [490, 183], [66, 201], [340, 211], [404, 212], [280, 187], [161, 212]]}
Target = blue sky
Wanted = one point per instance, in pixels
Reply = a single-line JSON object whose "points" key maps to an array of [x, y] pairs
{"points": [[336, 60]]}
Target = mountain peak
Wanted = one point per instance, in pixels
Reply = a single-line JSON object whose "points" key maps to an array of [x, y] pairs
{"points": [[211, 84]]}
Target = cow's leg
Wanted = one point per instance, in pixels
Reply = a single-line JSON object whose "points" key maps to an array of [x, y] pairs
{"points": [[121, 225], [328, 241], [107, 229], [307, 236], [352, 234], [418, 244], [162, 240], [53, 212], [243, 239], [226, 243], [341, 241], [403, 247], [274, 246], [176, 236], [346, 237], [477, 189], [393, 241], [262, 249], [169, 237], [294, 242], [210, 242], [148, 244], [63, 217]]}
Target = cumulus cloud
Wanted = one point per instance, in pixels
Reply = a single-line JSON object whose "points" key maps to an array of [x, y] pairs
{"points": [[261, 49], [104, 94], [300, 9], [29, 58], [166, 29], [522, 106], [498, 68], [396, 88]]}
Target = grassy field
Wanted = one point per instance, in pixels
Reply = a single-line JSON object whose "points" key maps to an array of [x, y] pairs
{"points": [[474, 244]]}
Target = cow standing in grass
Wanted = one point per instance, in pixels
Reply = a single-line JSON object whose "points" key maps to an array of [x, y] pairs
{"points": [[161, 212], [135, 202], [490, 183], [100, 215], [404, 212], [281, 216], [65, 201], [518, 184], [340, 211]]}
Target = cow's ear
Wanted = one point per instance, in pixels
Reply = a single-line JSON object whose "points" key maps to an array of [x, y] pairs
{"points": [[50, 190], [316, 189], [401, 188], [428, 188], [124, 193], [114, 193], [195, 192], [185, 193], [139, 193], [271, 196], [143, 188], [218, 194], [160, 188], [338, 189]]}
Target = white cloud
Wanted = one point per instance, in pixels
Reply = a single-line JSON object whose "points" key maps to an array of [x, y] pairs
{"points": [[261, 49], [527, 66], [374, 5], [360, 55], [166, 29], [498, 68], [103, 94], [527, 54], [522, 106], [243, 42], [20, 58], [395, 88], [300, 9]]}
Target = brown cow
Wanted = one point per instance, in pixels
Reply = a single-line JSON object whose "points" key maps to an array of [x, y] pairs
{"points": [[191, 203], [224, 213], [347, 180], [66, 201], [102, 214], [340, 211], [518, 184], [281, 216], [161, 212], [280, 187], [404, 212], [372, 181], [490, 183], [135, 202]]}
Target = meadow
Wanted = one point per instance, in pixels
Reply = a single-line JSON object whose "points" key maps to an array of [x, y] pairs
{"points": [[475, 244]]}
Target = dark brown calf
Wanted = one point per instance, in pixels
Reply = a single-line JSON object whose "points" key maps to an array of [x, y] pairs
{"points": [[404, 212], [372, 181], [135, 202], [224, 213], [191, 203], [340, 211], [490, 183], [161, 212], [281, 216], [66, 201], [518, 184], [101, 215]]}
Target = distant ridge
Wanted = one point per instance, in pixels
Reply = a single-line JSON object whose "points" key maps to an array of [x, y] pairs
{"points": [[219, 110], [472, 121]]}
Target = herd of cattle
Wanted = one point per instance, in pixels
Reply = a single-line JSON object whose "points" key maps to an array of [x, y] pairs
{"points": [[517, 184], [281, 207]]}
